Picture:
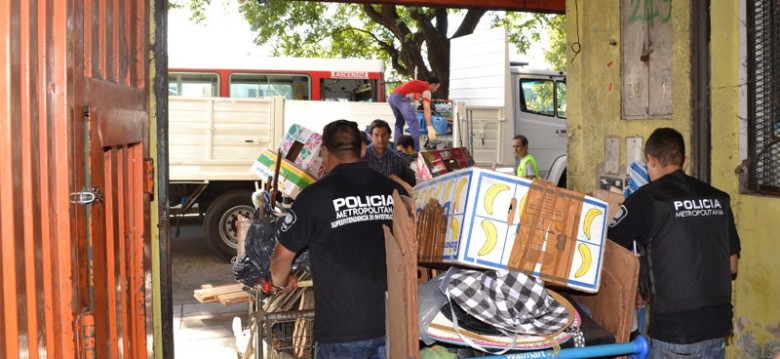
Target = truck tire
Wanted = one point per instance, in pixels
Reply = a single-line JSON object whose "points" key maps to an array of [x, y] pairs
{"points": [[219, 225]]}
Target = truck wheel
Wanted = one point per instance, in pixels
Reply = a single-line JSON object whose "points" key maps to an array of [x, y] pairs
{"points": [[219, 225]]}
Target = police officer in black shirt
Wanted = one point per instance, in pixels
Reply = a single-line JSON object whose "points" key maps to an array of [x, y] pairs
{"points": [[339, 218], [688, 244]]}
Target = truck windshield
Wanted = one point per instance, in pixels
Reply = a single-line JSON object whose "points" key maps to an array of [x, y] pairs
{"points": [[543, 97]]}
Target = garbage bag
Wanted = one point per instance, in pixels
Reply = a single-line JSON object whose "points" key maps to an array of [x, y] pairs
{"points": [[430, 300], [261, 238]]}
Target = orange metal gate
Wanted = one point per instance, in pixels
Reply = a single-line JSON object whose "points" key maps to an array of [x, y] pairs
{"points": [[74, 120]]}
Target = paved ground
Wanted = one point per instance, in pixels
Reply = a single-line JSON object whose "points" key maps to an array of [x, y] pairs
{"points": [[200, 330]]}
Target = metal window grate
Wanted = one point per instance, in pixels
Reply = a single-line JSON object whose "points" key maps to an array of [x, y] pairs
{"points": [[764, 95]]}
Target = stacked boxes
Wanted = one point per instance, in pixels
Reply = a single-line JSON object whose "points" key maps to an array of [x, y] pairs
{"points": [[498, 221], [291, 178], [437, 162], [301, 161], [301, 146]]}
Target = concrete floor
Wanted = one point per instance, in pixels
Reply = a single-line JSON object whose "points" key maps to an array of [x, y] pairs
{"points": [[201, 330]]}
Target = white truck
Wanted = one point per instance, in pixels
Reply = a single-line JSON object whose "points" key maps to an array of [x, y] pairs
{"points": [[494, 100], [213, 142]]}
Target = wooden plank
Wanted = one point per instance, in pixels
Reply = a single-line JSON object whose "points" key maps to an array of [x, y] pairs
{"points": [[211, 294], [219, 289], [233, 298], [303, 332]]}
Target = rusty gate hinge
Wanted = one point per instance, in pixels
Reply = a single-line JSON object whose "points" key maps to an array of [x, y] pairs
{"points": [[149, 176]]}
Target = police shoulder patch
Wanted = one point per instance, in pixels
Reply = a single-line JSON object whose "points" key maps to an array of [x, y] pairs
{"points": [[619, 215], [288, 221]]}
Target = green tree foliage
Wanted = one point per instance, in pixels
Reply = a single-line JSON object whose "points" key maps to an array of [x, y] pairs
{"points": [[527, 28], [555, 53], [415, 41]]}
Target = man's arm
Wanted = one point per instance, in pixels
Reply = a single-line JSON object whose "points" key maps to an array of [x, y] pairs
{"points": [[426, 100], [427, 112], [632, 221], [734, 243], [529, 171], [281, 266]]}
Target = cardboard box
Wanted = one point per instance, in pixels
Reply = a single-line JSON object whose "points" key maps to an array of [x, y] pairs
{"points": [[614, 200], [499, 221], [613, 307], [291, 179], [438, 162], [302, 147]]}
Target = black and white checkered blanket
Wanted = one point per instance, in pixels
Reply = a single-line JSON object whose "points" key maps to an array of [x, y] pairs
{"points": [[508, 300]]}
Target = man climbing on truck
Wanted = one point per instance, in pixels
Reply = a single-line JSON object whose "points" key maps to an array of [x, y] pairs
{"points": [[401, 103]]}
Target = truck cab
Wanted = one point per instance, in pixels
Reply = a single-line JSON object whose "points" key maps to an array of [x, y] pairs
{"points": [[494, 100], [539, 107]]}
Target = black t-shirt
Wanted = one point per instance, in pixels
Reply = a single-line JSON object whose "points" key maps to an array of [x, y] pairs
{"points": [[339, 218]]}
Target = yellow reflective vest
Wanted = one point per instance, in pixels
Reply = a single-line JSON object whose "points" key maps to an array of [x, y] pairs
{"points": [[523, 163]]}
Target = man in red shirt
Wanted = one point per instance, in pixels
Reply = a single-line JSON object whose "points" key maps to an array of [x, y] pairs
{"points": [[401, 103]]}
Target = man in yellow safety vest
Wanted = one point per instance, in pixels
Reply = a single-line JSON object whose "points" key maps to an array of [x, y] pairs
{"points": [[527, 167]]}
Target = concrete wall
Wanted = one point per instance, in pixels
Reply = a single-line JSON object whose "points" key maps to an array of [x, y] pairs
{"points": [[757, 288], [594, 85]]}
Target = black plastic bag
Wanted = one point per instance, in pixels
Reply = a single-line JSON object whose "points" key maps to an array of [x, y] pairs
{"points": [[261, 238]]}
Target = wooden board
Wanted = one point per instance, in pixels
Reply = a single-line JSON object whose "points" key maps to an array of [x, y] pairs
{"points": [[212, 293], [233, 298]]}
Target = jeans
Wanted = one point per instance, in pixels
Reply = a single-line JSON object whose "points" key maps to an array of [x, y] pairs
{"points": [[707, 349], [368, 349], [404, 113]]}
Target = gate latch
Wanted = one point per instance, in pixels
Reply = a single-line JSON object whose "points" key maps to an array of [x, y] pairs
{"points": [[86, 197]]}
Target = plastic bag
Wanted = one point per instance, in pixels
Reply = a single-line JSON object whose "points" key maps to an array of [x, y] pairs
{"points": [[261, 238], [430, 300]]}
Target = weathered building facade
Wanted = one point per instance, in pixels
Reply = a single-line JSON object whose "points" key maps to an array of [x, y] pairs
{"points": [[709, 70]]}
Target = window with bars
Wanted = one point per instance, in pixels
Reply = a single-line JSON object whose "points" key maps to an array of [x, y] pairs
{"points": [[764, 96]]}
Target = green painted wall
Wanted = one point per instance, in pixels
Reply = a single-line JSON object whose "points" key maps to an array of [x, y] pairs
{"points": [[594, 85]]}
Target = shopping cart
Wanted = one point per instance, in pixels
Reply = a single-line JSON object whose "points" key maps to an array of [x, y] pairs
{"points": [[287, 335], [280, 324]]}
